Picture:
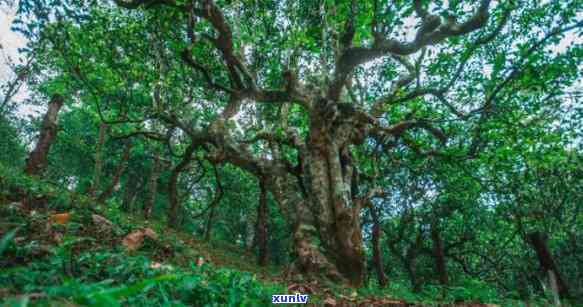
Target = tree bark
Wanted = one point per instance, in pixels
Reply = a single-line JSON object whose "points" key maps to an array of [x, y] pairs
{"points": [[216, 199], [309, 259], [98, 160], [439, 255], [250, 229], [318, 202], [315, 197], [328, 179], [173, 185], [130, 191], [152, 187], [376, 250], [411, 262], [261, 230], [409, 258], [546, 260], [208, 229], [98, 167], [116, 174], [36, 162]]}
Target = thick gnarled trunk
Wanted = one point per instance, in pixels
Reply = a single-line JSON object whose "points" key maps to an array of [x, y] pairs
{"points": [[329, 179], [316, 198], [327, 233], [309, 258]]}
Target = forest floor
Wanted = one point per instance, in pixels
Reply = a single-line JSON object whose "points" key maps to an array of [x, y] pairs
{"points": [[84, 257], [76, 253]]}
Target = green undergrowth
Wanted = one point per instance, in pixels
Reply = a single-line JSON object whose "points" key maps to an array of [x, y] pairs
{"points": [[87, 268], [80, 264], [111, 278], [188, 247]]}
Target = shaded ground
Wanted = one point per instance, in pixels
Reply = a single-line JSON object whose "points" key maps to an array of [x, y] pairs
{"points": [[86, 230]]}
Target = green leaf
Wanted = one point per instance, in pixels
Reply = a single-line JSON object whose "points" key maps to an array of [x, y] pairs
{"points": [[7, 238]]}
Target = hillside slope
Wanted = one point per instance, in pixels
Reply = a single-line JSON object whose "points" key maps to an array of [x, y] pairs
{"points": [[76, 253]]}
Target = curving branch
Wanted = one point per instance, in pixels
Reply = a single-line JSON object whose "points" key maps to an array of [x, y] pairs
{"points": [[398, 129], [515, 71], [174, 202], [432, 31], [148, 134], [14, 86], [187, 58], [134, 4], [437, 92], [272, 137]]}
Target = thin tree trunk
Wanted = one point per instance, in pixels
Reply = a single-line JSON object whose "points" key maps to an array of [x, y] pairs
{"points": [[554, 288], [376, 250], [37, 159], [130, 191], [217, 198], [250, 229], [411, 259], [209, 224], [173, 185], [439, 255], [117, 174], [98, 160], [152, 187], [36, 162], [546, 260], [261, 230]]}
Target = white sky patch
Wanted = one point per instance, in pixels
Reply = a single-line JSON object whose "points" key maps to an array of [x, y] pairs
{"points": [[10, 42], [487, 70]]}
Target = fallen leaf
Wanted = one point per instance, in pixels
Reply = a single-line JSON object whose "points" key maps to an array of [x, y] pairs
{"points": [[61, 218], [148, 232], [135, 239], [329, 302], [102, 223]]}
